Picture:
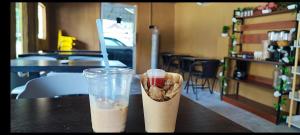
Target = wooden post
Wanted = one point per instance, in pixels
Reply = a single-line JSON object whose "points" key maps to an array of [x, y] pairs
{"points": [[294, 77]]}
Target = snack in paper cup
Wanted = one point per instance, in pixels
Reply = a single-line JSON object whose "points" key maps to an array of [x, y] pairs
{"points": [[160, 102], [159, 85]]}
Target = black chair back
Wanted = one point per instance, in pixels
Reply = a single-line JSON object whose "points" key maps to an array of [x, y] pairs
{"points": [[210, 68], [185, 64], [166, 57], [176, 60]]}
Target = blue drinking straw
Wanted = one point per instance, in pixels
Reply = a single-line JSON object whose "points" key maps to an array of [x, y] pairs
{"points": [[105, 56], [102, 46]]}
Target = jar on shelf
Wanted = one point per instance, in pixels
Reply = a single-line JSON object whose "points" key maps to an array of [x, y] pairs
{"points": [[237, 13], [245, 13], [251, 12], [272, 36], [276, 35], [288, 85], [291, 34], [283, 38]]}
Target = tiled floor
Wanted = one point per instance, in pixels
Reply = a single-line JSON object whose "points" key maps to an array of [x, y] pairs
{"points": [[240, 116]]}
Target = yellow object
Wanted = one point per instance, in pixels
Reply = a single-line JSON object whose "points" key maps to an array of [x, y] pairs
{"points": [[65, 43], [282, 43]]}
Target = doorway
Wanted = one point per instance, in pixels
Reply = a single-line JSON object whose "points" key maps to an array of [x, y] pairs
{"points": [[119, 31], [19, 29]]}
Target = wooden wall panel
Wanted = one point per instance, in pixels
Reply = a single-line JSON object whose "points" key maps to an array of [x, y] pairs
{"points": [[270, 25], [254, 38]]}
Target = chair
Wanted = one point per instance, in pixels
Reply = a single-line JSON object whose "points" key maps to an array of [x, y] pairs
{"points": [[174, 62], [55, 85], [184, 65], [209, 71], [85, 58], [166, 56]]}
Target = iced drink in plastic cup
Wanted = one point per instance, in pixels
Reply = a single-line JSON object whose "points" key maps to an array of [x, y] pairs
{"points": [[109, 96]]}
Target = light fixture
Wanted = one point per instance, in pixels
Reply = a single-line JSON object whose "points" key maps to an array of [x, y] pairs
{"points": [[203, 3], [199, 3]]}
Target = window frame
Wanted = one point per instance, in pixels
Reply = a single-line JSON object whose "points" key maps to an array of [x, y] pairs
{"points": [[42, 28]]}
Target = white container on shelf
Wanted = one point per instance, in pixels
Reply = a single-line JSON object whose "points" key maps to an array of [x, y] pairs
{"points": [[266, 11], [237, 13], [296, 96], [224, 34], [297, 71], [258, 55], [293, 6]]}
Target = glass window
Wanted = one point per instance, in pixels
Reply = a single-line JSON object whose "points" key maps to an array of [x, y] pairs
{"points": [[109, 42], [19, 29], [41, 21]]}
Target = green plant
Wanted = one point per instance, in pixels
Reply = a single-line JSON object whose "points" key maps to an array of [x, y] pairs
{"points": [[225, 29], [282, 102], [233, 37], [223, 80], [286, 71], [291, 58]]}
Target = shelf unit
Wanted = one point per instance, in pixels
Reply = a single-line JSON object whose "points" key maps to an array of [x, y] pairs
{"points": [[295, 120], [257, 108], [248, 104], [264, 111], [296, 98], [297, 70], [268, 14], [256, 61]]}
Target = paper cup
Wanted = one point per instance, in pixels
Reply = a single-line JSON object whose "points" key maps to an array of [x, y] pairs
{"points": [[161, 116]]}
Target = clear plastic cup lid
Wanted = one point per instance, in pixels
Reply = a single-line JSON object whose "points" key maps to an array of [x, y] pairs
{"points": [[95, 72], [156, 73]]}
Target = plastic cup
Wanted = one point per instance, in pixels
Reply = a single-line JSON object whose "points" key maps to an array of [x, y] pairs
{"points": [[156, 77], [109, 97]]}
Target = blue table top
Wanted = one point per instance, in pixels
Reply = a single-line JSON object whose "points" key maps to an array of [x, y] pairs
{"points": [[21, 65], [64, 54]]}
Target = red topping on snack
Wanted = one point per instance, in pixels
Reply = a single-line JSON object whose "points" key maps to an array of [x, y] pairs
{"points": [[159, 82]]}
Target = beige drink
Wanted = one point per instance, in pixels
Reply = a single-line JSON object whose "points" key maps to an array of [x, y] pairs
{"points": [[108, 117], [109, 90]]}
